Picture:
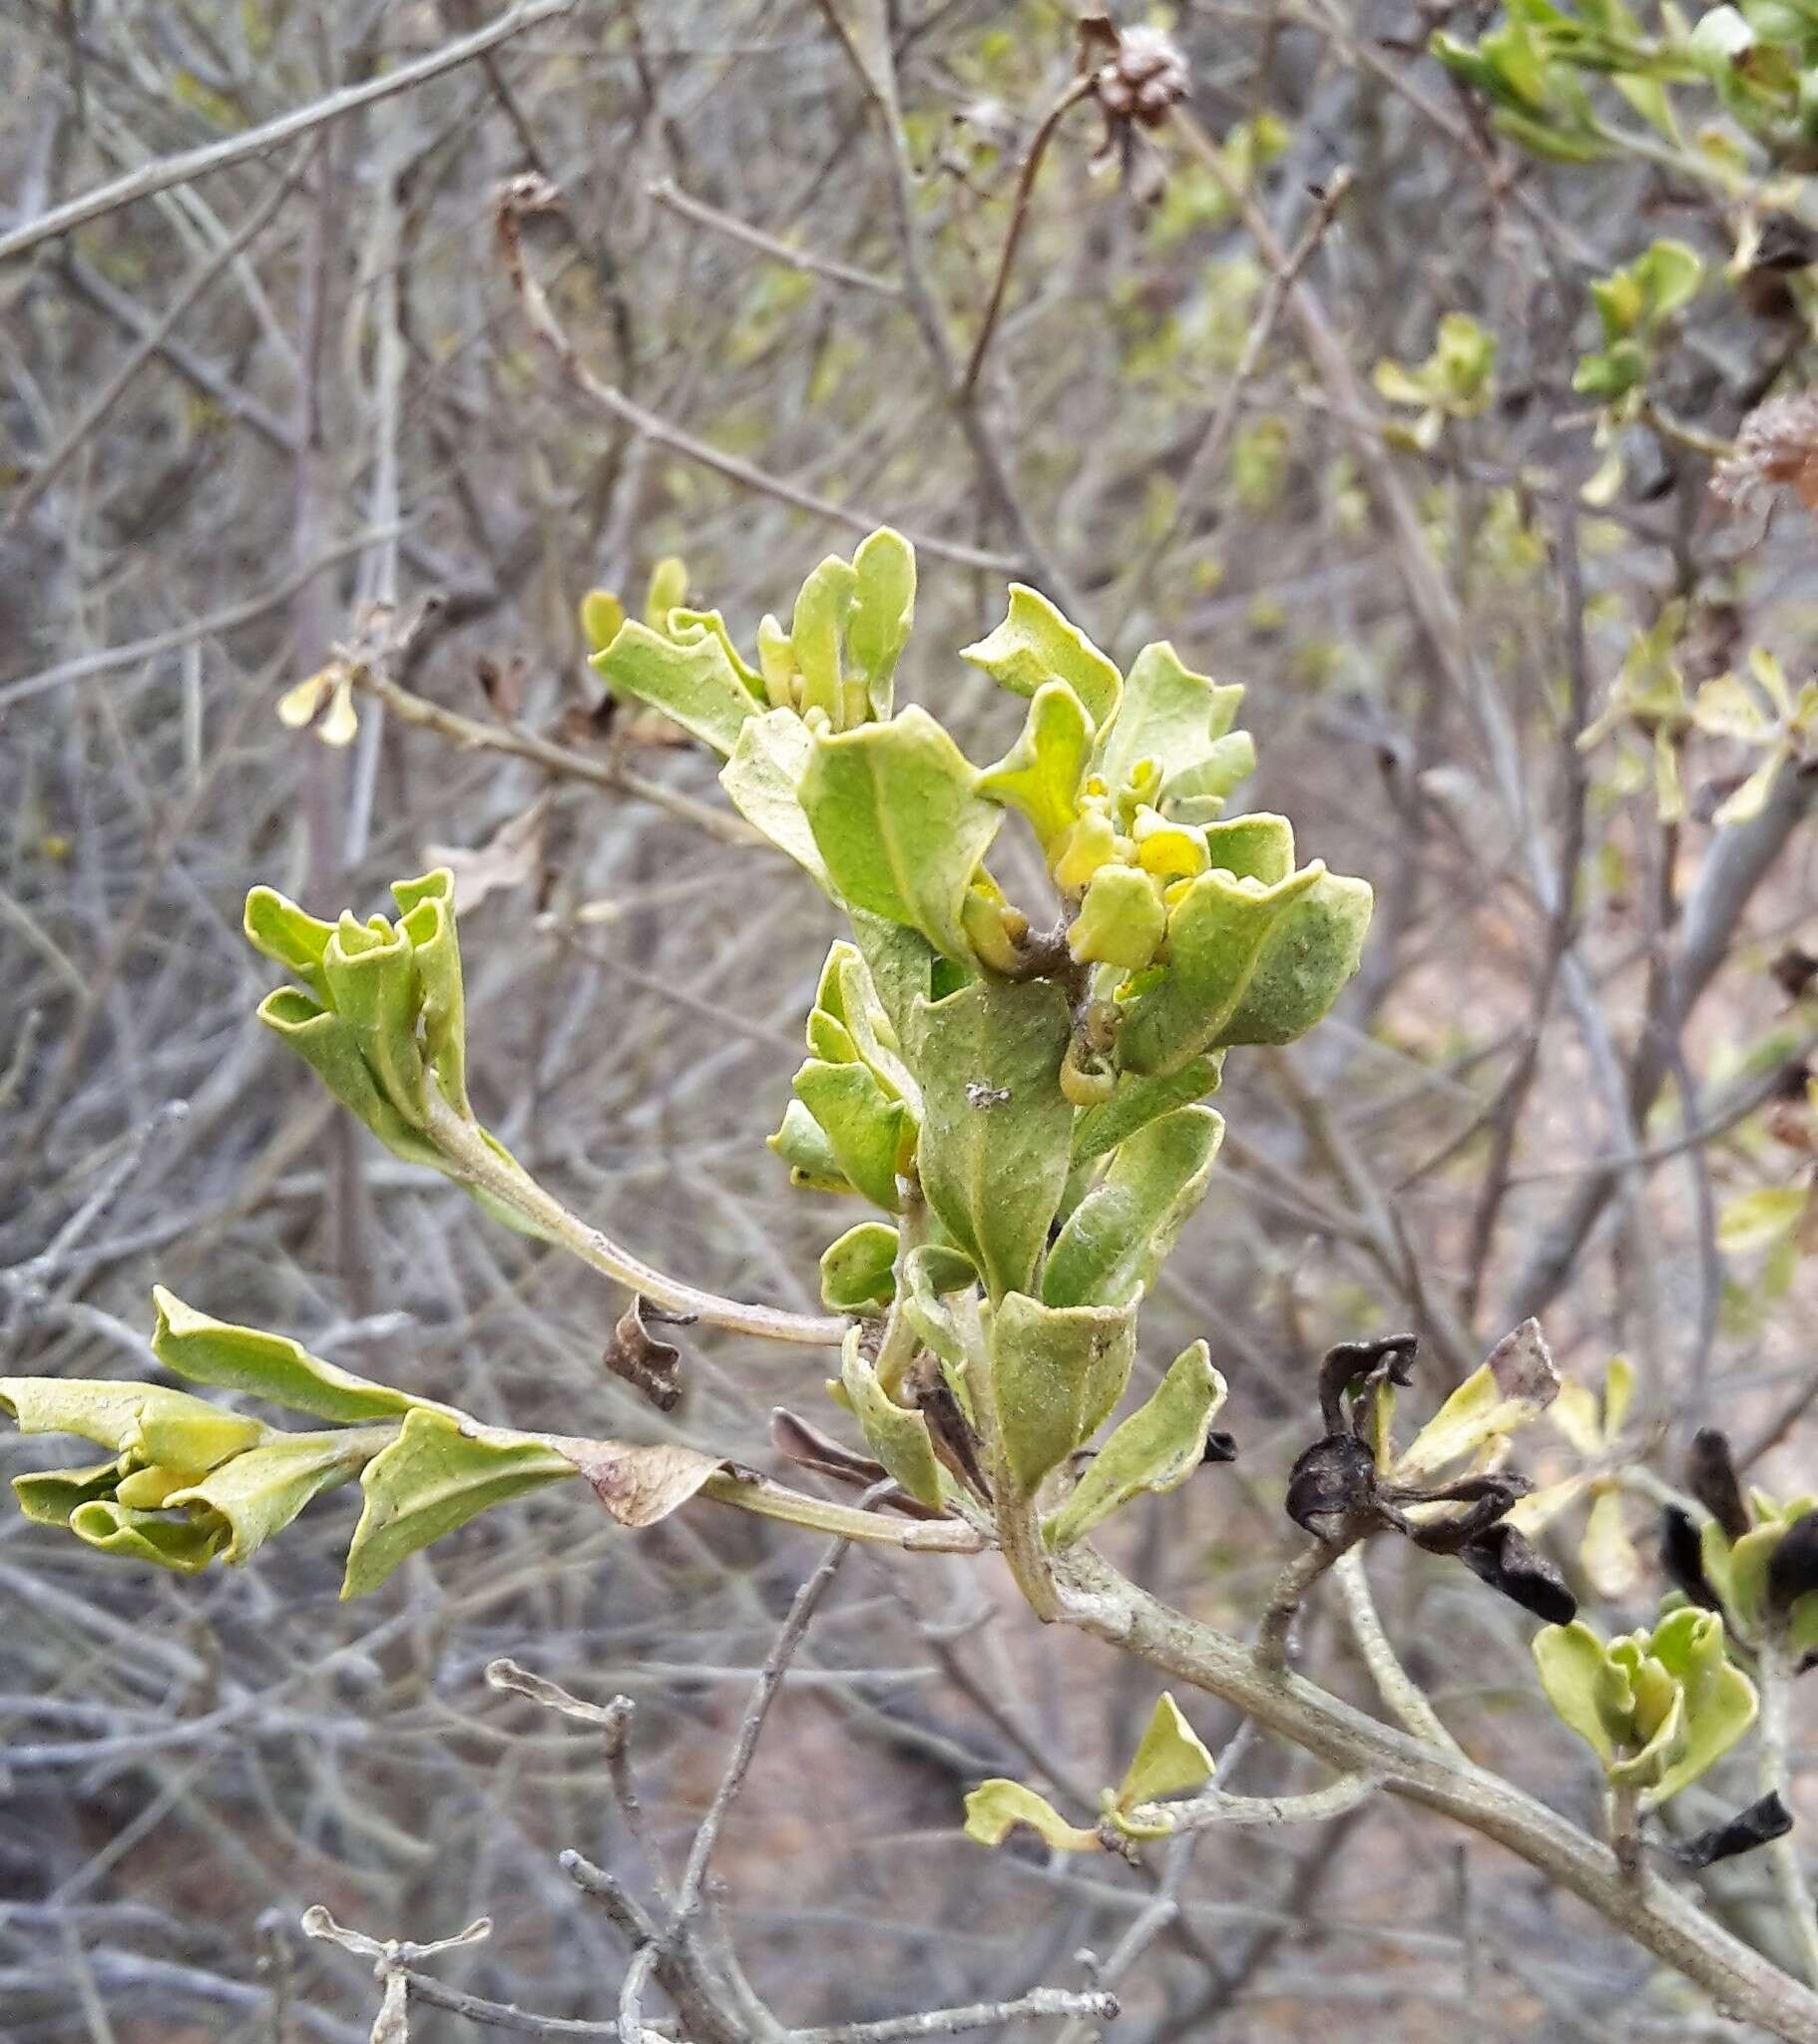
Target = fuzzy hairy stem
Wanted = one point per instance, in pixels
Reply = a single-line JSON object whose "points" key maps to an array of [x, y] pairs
{"points": [[1667, 1923]]}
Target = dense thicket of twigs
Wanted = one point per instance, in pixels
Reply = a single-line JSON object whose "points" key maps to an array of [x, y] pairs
{"points": [[241, 409]]}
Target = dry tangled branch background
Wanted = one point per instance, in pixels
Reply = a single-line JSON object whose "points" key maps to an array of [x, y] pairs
{"points": [[278, 407]]}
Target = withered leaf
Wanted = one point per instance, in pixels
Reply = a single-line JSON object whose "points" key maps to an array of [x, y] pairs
{"points": [[1712, 1478], [1505, 1558], [1682, 1558], [640, 1483], [644, 1360], [1332, 1487], [1758, 1824]]}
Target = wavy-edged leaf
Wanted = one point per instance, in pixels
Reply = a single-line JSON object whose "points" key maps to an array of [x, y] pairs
{"points": [[434, 1477], [762, 780], [901, 827], [1055, 1374], [1036, 644], [1156, 1449], [269, 1366], [883, 612], [152, 1425], [817, 632], [290, 936], [897, 1436], [1216, 931], [802, 1144], [859, 1270], [1140, 1101], [1584, 1692], [1172, 715], [1040, 774], [331, 1049], [1721, 1700], [996, 1127], [427, 919], [1119, 1233], [863, 1126], [694, 685], [260, 1492], [185, 1545], [994, 1810], [46, 1497]]}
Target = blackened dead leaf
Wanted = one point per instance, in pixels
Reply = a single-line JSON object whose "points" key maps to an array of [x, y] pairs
{"points": [[1506, 1560], [1332, 1488], [1711, 1479], [1758, 1824], [1792, 1568], [1682, 1558], [1221, 1446], [1388, 1359]]}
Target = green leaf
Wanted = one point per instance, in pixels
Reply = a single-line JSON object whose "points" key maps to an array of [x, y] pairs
{"points": [[1721, 1700], [762, 780], [897, 1436], [1171, 1761], [995, 1808], [1757, 1220], [1121, 920], [858, 1272], [953, 1332], [277, 929], [1574, 1673], [270, 1366], [375, 992], [1259, 846], [1036, 644], [153, 1425], [996, 1127], [883, 612], [802, 1144], [331, 1049], [895, 812], [1040, 774], [1117, 1236], [902, 966], [46, 1497], [666, 589], [1514, 1385], [601, 615], [863, 1126], [427, 911], [1138, 1102], [1156, 1449], [1055, 1374], [260, 1492], [695, 685], [1216, 932], [815, 635], [1247, 963], [434, 1477], [186, 1545], [1175, 716]]}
